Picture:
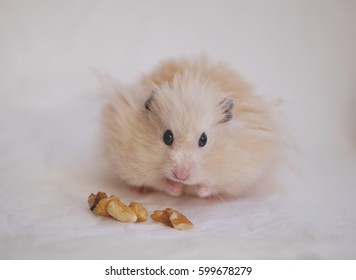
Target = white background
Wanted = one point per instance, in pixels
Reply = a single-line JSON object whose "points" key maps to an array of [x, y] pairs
{"points": [[301, 51]]}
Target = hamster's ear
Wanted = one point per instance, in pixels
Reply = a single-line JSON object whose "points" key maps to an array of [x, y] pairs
{"points": [[148, 102], [226, 106]]}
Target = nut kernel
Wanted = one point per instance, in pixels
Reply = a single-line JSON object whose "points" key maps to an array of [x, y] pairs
{"points": [[140, 211], [121, 212], [173, 218], [94, 199], [161, 216], [178, 220], [101, 207]]}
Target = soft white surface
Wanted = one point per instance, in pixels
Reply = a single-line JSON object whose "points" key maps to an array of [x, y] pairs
{"points": [[302, 51]]}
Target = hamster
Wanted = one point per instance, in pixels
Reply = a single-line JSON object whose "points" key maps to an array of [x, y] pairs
{"points": [[190, 127]]}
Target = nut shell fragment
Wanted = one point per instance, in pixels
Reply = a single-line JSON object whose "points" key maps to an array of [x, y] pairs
{"points": [[140, 211], [121, 212]]}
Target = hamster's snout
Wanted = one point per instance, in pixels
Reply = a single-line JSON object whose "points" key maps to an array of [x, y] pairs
{"points": [[182, 174], [182, 166]]}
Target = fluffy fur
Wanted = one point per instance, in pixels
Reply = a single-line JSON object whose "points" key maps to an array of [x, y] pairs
{"points": [[191, 97]]}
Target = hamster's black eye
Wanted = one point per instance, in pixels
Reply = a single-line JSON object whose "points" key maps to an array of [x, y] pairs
{"points": [[168, 137], [203, 139]]}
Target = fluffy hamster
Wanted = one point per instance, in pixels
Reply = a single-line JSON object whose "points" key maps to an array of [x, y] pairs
{"points": [[190, 127]]}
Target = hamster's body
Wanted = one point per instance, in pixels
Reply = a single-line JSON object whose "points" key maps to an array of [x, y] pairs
{"points": [[190, 127]]}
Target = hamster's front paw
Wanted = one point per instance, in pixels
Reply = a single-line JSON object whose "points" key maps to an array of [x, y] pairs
{"points": [[206, 193], [173, 188], [203, 191]]}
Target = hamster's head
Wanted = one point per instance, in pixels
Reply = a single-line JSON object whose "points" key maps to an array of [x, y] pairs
{"points": [[188, 115]]}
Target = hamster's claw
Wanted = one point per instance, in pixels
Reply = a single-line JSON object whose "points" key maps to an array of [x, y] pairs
{"points": [[173, 188]]}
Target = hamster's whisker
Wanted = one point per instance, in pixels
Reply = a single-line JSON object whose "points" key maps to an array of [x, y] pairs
{"points": [[219, 196]]}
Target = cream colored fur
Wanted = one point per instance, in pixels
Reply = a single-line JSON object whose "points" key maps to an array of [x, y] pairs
{"points": [[187, 98]]}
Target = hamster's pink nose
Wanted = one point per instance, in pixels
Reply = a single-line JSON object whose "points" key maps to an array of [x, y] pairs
{"points": [[181, 174]]}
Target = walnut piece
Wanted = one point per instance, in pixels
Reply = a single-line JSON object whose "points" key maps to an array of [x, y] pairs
{"points": [[121, 212], [140, 211], [161, 216], [178, 220], [172, 217], [94, 199], [113, 207]]}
